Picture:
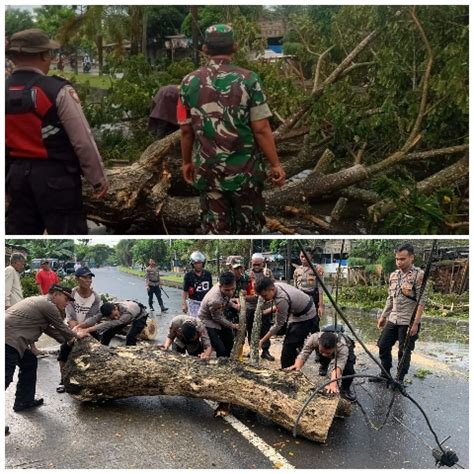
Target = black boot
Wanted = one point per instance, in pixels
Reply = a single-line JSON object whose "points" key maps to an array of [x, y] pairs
{"points": [[61, 388], [7, 430], [163, 309], [349, 395], [28, 405], [266, 355]]}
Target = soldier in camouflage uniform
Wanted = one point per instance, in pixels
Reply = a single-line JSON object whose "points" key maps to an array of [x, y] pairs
{"points": [[223, 116], [403, 293]]}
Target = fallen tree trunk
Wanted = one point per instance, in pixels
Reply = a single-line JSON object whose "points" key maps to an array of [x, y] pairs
{"points": [[95, 372], [142, 193]]}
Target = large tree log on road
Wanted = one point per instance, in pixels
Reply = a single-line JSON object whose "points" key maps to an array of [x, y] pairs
{"points": [[95, 372]]}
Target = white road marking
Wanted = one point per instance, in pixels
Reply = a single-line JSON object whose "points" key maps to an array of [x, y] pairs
{"points": [[268, 451]]}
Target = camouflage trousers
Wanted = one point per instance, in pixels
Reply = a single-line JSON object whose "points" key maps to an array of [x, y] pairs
{"points": [[232, 212]]}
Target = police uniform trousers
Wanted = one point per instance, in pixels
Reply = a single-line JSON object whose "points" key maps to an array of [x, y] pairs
{"points": [[390, 335], [194, 348], [266, 325], [44, 195], [232, 212], [348, 369], [154, 289], [136, 328], [222, 340], [28, 364], [296, 333], [315, 296]]}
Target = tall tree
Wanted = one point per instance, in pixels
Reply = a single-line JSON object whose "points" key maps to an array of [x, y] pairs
{"points": [[91, 23], [17, 20], [51, 17], [124, 252]]}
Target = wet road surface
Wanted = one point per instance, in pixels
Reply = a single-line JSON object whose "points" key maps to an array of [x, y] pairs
{"points": [[178, 432]]}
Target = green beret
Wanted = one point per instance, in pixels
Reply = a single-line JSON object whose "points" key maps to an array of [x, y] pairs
{"points": [[219, 35]]}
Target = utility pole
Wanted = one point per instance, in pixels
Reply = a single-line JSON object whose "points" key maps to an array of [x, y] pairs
{"points": [[194, 25]]}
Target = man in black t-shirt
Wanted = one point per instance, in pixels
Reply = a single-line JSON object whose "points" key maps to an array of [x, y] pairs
{"points": [[197, 283]]}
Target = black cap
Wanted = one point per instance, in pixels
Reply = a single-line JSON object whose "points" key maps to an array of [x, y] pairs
{"points": [[188, 331], [83, 271], [63, 289], [107, 308]]}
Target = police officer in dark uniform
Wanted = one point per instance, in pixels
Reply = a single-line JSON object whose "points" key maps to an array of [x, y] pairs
{"points": [[48, 144]]}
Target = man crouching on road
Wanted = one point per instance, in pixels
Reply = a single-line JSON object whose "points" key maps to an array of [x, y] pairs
{"points": [[113, 319], [188, 334], [25, 322], [334, 349]]}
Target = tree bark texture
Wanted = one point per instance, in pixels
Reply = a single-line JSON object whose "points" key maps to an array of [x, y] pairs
{"points": [[255, 332], [95, 372], [239, 340]]}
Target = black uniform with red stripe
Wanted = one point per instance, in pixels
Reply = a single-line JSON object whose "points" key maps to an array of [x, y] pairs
{"points": [[43, 179], [197, 286]]}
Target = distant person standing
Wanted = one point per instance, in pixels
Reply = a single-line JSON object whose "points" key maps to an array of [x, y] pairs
{"points": [[13, 289], [45, 278], [77, 265], [48, 144], [197, 283], [153, 283], [394, 322], [223, 114], [306, 281], [86, 63]]}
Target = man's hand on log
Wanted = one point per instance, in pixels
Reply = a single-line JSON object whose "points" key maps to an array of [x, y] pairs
{"points": [[100, 192], [292, 367], [332, 388], [80, 333], [188, 173], [278, 175]]}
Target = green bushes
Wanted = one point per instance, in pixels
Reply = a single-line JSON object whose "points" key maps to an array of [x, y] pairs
{"points": [[374, 297]]}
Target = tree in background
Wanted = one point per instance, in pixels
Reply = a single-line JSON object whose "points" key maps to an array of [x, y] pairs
{"points": [[99, 255], [145, 249], [62, 249], [124, 253], [51, 18], [17, 20]]}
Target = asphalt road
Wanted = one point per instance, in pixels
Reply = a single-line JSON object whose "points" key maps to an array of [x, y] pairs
{"points": [[178, 432]]}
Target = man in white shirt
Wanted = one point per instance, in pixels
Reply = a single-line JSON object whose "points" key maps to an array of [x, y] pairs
{"points": [[13, 290]]}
